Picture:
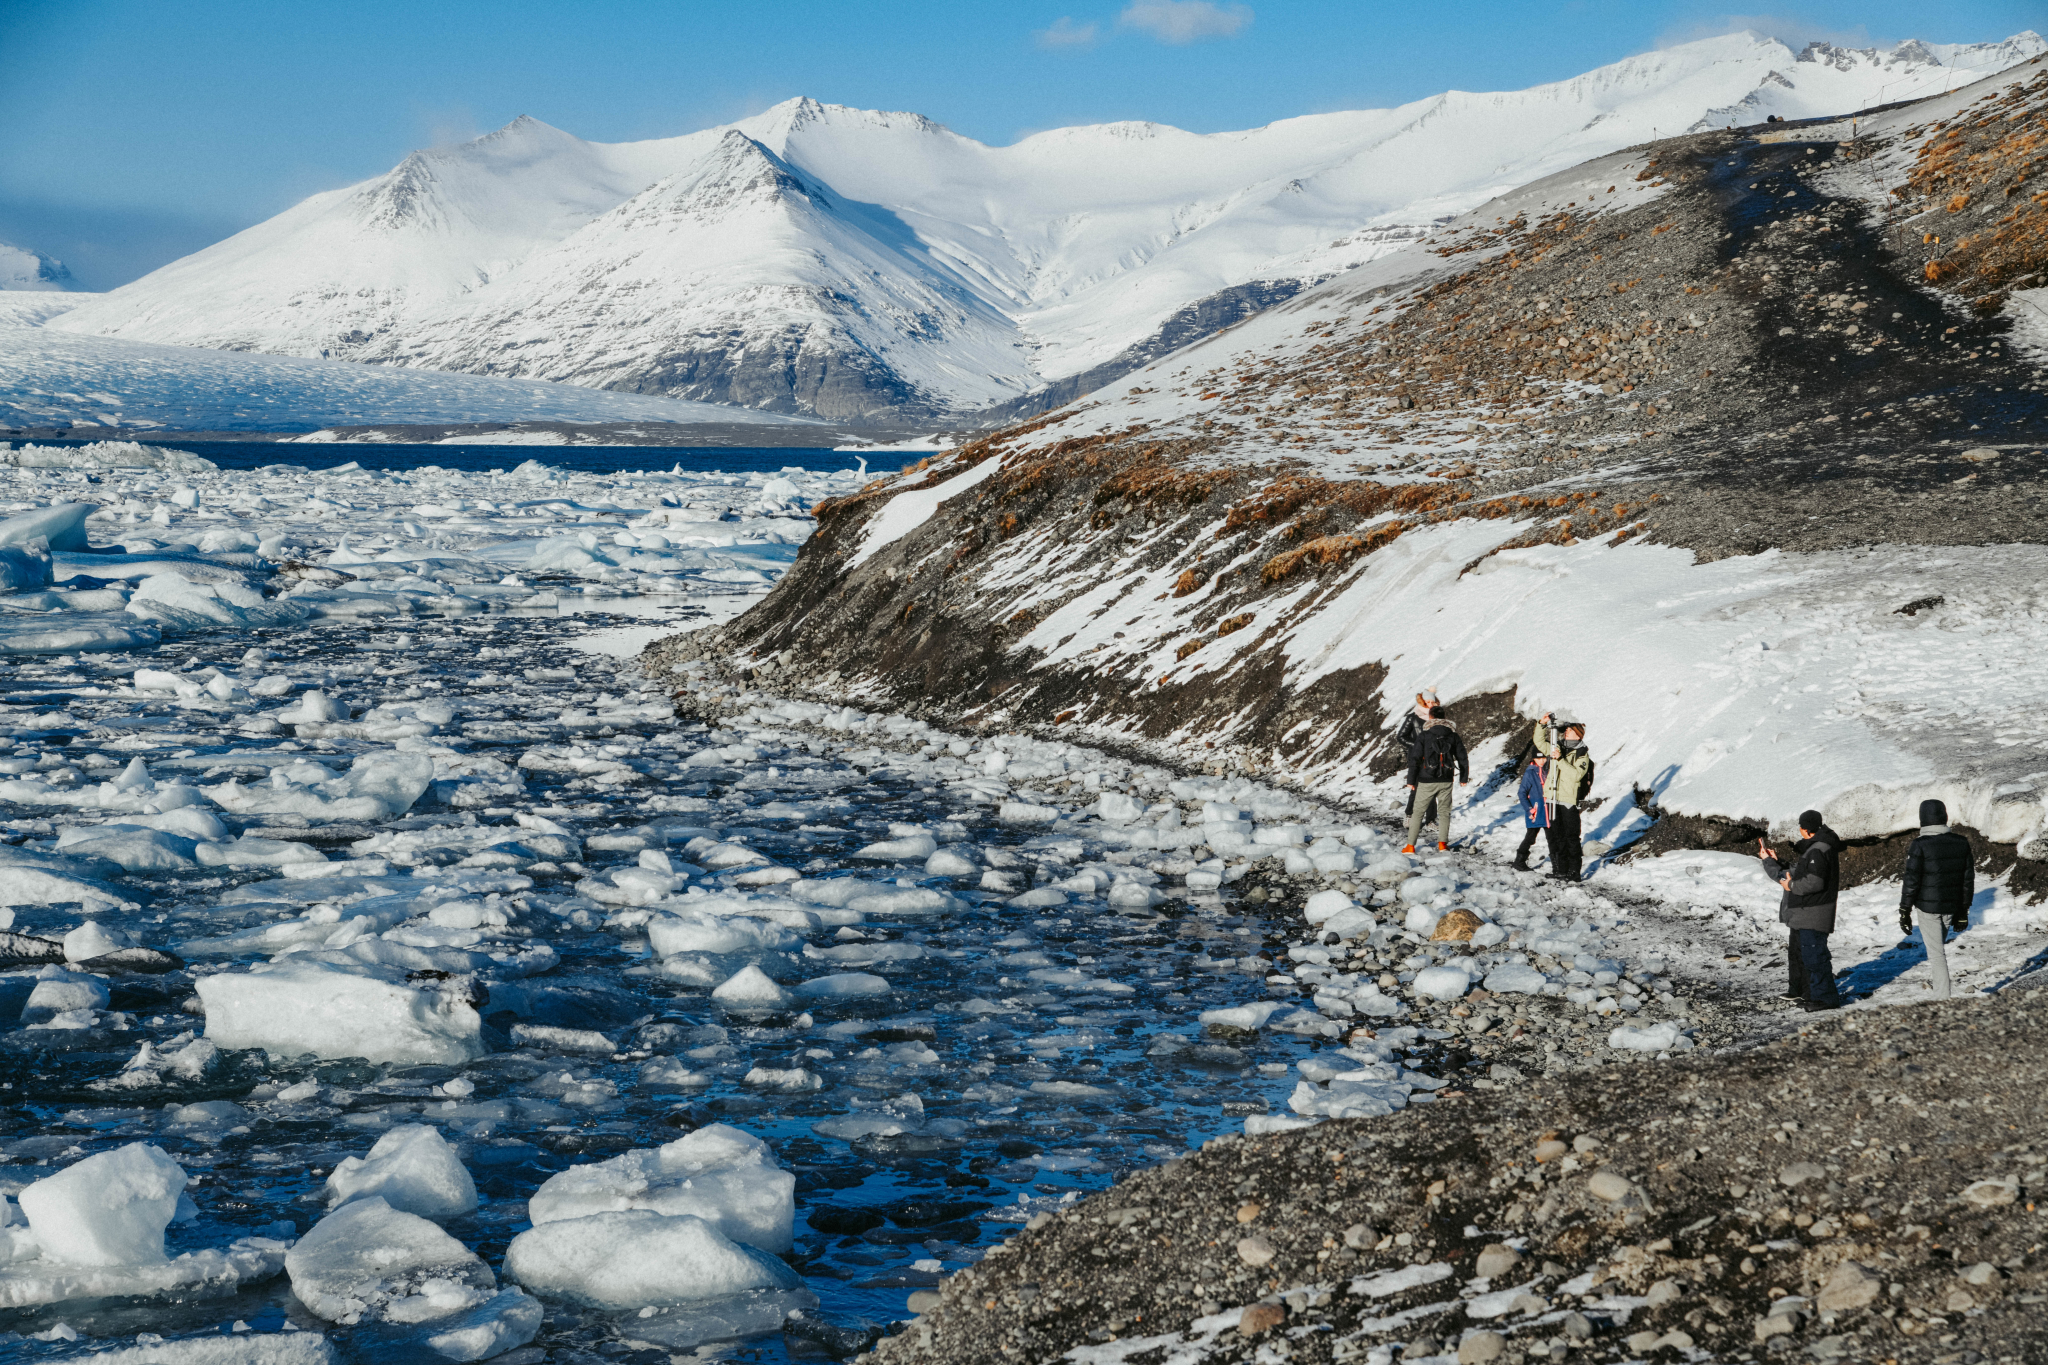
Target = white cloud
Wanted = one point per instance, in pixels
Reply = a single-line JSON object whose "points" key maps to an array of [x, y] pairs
{"points": [[1066, 35], [1185, 21]]}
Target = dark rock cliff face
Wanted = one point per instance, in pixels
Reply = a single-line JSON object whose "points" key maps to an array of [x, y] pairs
{"points": [[1203, 317], [811, 371]]}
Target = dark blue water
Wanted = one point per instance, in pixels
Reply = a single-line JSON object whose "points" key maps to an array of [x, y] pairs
{"points": [[579, 459]]}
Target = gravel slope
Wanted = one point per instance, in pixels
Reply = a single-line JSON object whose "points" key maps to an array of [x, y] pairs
{"points": [[1862, 1190]]}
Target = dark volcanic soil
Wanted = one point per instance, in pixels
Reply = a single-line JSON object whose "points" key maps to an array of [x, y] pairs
{"points": [[1867, 1190]]}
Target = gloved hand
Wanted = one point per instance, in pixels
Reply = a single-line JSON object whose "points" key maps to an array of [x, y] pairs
{"points": [[1961, 921], [1905, 919]]}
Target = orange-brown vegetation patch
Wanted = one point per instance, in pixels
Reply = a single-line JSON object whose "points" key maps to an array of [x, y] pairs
{"points": [[1327, 551], [1991, 155]]}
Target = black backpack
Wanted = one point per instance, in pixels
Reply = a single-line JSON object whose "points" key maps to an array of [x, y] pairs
{"points": [[1439, 754]]}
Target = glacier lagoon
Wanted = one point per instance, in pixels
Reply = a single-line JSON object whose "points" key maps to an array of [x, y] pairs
{"points": [[949, 980]]}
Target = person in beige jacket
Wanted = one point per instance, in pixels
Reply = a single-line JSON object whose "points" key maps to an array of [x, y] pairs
{"points": [[1567, 783]]}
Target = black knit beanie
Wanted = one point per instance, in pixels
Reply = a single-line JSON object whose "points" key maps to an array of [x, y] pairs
{"points": [[1933, 813], [1810, 821]]}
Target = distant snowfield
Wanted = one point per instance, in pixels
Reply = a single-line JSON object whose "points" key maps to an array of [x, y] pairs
{"points": [[903, 262], [49, 377]]}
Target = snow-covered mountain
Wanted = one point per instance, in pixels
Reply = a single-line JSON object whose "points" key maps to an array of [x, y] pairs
{"points": [[817, 258], [21, 268]]}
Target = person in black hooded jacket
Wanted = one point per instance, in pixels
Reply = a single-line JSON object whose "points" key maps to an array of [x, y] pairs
{"points": [[1939, 883], [1811, 886]]}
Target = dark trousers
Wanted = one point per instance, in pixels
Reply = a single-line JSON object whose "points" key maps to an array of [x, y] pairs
{"points": [[1528, 842], [1565, 854], [1810, 967]]}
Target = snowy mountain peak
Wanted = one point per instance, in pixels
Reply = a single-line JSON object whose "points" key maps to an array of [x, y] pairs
{"points": [[23, 269], [737, 170], [848, 262]]}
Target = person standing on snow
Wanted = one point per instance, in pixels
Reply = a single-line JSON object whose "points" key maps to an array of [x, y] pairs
{"points": [[1811, 886], [1565, 785], [1535, 810], [1939, 884], [1409, 736], [1439, 755]]}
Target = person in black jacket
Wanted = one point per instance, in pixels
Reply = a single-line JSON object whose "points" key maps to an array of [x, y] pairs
{"points": [[1409, 736], [1938, 886], [1811, 886], [1440, 755]]}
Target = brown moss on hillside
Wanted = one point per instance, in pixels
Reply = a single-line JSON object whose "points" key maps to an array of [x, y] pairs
{"points": [[1985, 168]]}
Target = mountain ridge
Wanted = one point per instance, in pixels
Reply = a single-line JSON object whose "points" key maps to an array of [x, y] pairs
{"points": [[939, 277]]}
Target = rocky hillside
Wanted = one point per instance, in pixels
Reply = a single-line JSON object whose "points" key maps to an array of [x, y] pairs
{"points": [[1855, 1193], [1688, 439]]}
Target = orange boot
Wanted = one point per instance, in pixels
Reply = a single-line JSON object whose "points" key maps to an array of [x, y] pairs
{"points": [[1409, 849], [1442, 847]]}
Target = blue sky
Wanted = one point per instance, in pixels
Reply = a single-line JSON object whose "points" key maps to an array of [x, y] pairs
{"points": [[132, 131]]}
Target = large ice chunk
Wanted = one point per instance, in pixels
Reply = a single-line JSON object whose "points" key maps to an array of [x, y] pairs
{"points": [[1323, 904], [693, 931], [1665, 1036], [1247, 1018], [293, 1008], [1515, 978], [750, 988], [57, 991], [24, 568], [726, 1177], [639, 1259], [109, 1209], [378, 786], [60, 527], [29, 878], [368, 1261], [1442, 983], [130, 848], [176, 603], [413, 1169]]}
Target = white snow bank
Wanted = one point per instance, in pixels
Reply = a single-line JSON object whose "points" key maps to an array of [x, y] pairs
{"points": [[728, 1178], [906, 512], [1755, 686]]}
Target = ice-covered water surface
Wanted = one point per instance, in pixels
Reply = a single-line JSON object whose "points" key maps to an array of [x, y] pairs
{"points": [[419, 978]]}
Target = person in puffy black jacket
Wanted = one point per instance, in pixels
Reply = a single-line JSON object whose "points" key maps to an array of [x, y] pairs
{"points": [[1811, 886], [1438, 758], [1939, 883], [1409, 736]]}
